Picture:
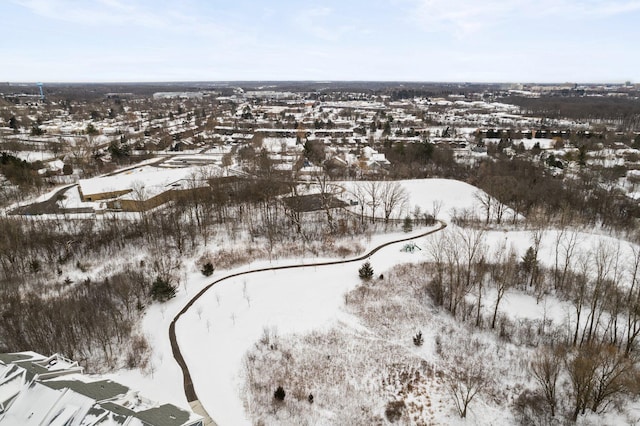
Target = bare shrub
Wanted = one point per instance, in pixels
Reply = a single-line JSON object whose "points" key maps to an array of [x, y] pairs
{"points": [[139, 351], [530, 409]]}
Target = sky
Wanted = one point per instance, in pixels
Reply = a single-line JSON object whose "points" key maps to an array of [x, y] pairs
{"points": [[370, 40]]}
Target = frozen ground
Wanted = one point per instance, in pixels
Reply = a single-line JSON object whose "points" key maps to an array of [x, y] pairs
{"points": [[218, 330], [447, 196]]}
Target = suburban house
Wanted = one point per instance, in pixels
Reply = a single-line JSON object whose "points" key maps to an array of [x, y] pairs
{"points": [[39, 390]]}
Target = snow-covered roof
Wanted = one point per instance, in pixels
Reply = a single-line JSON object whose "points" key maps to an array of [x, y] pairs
{"points": [[147, 180], [63, 396]]}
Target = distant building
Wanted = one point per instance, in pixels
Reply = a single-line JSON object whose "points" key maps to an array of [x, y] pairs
{"points": [[39, 390], [178, 95]]}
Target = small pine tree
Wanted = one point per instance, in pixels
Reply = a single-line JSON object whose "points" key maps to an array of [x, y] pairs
{"points": [[366, 271], [417, 339], [407, 226], [207, 269], [279, 394], [91, 129], [162, 290], [529, 261]]}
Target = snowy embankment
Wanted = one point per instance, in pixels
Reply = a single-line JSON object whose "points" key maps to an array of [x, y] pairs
{"points": [[442, 198]]}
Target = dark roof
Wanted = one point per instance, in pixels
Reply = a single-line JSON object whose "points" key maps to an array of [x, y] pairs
{"points": [[115, 414], [118, 409], [31, 368], [100, 390], [165, 415], [10, 358]]}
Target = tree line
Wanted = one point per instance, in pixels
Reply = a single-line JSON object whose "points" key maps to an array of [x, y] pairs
{"points": [[594, 351]]}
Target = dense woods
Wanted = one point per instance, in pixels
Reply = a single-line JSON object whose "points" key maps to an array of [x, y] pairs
{"points": [[79, 287]]}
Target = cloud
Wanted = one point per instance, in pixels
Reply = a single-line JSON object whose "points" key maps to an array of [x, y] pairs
{"points": [[112, 12], [161, 18], [465, 17]]}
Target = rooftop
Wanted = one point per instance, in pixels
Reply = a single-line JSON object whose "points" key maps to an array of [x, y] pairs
{"points": [[37, 390]]}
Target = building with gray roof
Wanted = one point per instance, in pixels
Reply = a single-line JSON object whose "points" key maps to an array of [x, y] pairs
{"points": [[54, 391]]}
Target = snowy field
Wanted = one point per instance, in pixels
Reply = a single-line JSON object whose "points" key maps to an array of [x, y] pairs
{"points": [[442, 197]]}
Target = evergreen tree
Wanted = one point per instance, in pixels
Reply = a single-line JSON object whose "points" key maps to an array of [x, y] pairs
{"points": [[279, 394], [407, 226], [529, 260], [366, 271], [417, 339], [162, 290], [387, 129], [36, 130], [207, 269], [13, 123], [91, 129]]}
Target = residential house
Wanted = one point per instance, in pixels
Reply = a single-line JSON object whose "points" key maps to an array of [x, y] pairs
{"points": [[37, 390]]}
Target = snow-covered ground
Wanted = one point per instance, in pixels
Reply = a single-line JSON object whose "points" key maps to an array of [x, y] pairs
{"points": [[444, 197], [232, 316], [32, 156], [215, 334]]}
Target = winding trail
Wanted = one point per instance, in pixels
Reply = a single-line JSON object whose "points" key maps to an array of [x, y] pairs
{"points": [[189, 389]]}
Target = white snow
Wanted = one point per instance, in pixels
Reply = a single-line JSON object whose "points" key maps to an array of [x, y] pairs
{"points": [[227, 320], [32, 156], [446, 195], [217, 331], [152, 180]]}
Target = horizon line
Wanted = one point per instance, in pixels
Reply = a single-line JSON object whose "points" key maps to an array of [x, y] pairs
{"points": [[315, 81]]}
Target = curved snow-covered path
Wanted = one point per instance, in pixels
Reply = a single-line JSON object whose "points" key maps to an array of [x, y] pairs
{"points": [[238, 299]]}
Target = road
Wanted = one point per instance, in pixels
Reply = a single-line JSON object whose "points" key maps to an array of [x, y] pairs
{"points": [[50, 206], [189, 389]]}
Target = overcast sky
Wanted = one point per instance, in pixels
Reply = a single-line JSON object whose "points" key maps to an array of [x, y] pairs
{"points": [[400, 40]]}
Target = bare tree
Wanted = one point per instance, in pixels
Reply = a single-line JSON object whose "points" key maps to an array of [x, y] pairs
{"points": [[632, 303], [486, 203], [613, 366], [436, 249], [581, 368], [393, 196], [464, 386], [578, 286], [468, 375], [436, 206], [327, 195], [360, 195], [374, 193], [536, 238], [605, 262], [565, 243], [504, 274], [546, 369]]}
